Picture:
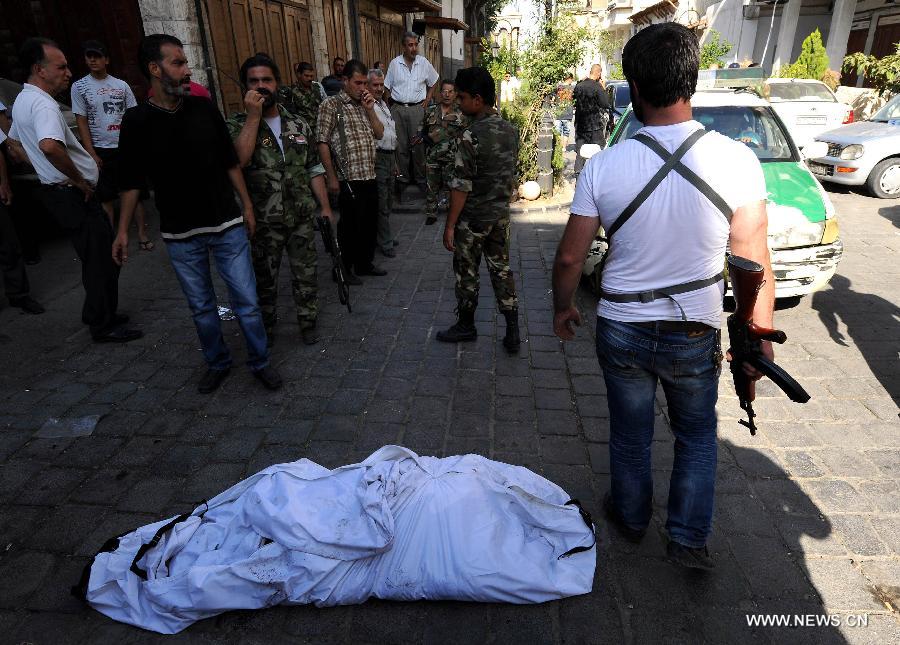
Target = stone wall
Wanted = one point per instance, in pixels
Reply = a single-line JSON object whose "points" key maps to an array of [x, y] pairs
{"points": [[177, 18]]}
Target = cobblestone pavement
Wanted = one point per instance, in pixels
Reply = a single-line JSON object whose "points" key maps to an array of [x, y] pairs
{"points": [[808, 511]]}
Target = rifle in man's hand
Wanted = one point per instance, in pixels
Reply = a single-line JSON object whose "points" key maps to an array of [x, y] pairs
{"points": [[337, 263], [746, 339]]}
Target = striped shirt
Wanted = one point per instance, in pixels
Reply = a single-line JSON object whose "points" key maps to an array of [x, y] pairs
{"points": [[357, 162], [410, 85]]}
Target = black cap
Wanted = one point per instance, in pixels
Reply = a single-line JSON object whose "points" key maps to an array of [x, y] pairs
{"points": [[94, 46]]}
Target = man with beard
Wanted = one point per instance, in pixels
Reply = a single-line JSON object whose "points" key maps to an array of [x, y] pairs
{"points": [[180, 143], [346, 132], [68, 177], [334, 82], [278, 153], [591, 113], [305, 97]]}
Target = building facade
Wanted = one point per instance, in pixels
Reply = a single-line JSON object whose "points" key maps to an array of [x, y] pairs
{"points": [[220, 34]]}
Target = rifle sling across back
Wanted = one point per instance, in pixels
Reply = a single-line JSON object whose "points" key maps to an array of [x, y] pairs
{"points": [[671, 162]]}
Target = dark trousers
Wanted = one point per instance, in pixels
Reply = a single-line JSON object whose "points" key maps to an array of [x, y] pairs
{"points": [[581, 138], [358, 225], [12, 264], [91, 235]]}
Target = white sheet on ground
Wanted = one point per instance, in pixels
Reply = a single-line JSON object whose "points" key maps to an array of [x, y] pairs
{"points": [[396, 526]]}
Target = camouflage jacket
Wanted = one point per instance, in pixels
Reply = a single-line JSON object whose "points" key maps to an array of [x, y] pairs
{"points": [[279, 184], [443, 131], [485, 167], [304, 103]]}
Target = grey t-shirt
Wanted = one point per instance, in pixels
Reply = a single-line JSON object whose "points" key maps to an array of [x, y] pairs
{"points": [[104, 104]]}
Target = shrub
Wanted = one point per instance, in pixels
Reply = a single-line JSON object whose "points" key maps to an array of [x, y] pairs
{"points": [[812, 61], [882, 73], [714, 51]]}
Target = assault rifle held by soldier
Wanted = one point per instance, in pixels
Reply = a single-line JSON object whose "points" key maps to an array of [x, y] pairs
{"points": [[745, 338], [337, 264]]}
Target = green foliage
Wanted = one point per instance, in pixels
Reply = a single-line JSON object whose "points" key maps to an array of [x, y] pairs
{"points": [[558, 162], [812, 61], [714, 51], [546, 61], [615, 72], [882, 73]]}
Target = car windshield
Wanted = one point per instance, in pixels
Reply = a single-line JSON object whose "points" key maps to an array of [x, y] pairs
{"points": [[755, 127], [800, 92], [891, 110]]}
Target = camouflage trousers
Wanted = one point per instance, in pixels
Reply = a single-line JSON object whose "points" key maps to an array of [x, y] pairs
{"points": [[437, 174], [269, 243], [472, 239]]}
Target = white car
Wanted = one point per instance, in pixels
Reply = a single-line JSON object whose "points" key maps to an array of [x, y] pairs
{"points": [[807, 107], [865, 152]]}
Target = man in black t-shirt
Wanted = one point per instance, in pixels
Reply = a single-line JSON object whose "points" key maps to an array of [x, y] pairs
{"points": [[181, 145], [591, 113]]}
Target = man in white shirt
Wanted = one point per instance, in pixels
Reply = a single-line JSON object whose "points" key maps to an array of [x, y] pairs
{"points": [[68, 177], [661, 305], [410, 82], [99, 101], [385, 164]]}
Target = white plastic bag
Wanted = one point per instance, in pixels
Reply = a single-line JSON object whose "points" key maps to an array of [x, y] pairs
{"points": [[396, 526]]}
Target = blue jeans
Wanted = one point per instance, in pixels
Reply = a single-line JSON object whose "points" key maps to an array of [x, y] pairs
{"points": [[634, 359], [231, 251]]}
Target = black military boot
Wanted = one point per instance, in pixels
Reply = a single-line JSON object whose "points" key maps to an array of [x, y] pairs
{"points": [[463, 330], [511, 341]]}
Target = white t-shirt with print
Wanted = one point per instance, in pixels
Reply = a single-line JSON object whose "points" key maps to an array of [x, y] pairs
{"points": [[677, 235], [104, 104]]}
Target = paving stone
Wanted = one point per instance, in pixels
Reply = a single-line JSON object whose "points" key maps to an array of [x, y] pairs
{"points": [[150, 495], [563, 450], [514, 409], [21, 573], [209, 481], [592, 406], [64, 528], [52, 487], [800, 463], [769, 569], [887, 461], [337, 428], [883, 494], [841, 585], [849, 463], [888, 529], [838, 496], [557, 422], [551, 379], [113, 523], [858, 535]]}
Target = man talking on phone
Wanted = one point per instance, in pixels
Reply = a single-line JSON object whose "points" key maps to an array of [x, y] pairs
{"points": [[346, 132]]}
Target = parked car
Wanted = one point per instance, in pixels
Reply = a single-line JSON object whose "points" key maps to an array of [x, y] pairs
{"points": [[807, 107], [865, 152], [803, 228], [619, 99]]}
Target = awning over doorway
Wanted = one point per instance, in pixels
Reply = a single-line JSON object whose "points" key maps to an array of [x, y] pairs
{"points": [[440, 22], [658, 10], [411, 6]]}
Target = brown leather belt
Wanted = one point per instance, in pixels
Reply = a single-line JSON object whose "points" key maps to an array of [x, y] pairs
{"points": [[686, 326]]}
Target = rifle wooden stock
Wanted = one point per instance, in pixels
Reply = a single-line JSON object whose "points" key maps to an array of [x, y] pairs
{"points": [[745, 337]]}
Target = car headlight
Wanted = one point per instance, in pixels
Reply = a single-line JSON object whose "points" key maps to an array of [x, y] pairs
{"points": [[789, 228], [854, 151]]}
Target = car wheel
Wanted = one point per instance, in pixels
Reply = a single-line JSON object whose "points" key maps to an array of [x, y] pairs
{"points": [[884, 180]]}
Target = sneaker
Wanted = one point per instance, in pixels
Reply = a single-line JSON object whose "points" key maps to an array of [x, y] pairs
{"points": [[27, 304], [309, 336], [269, 377], [615, 518], [690, 557], [212, 380], [430, 220]]}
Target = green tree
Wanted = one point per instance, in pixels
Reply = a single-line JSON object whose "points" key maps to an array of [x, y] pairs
{"points": [[714, 51], [882, 73], [616, 73], [812, 61]]}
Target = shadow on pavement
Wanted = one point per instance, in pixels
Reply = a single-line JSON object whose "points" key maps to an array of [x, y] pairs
{"points": [[891, 214], [861, 313]]}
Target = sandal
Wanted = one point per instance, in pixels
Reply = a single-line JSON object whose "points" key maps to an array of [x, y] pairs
{"points": [[147, 245]]}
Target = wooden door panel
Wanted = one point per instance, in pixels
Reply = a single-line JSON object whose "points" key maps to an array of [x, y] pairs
{"points": [[278, 47], [856, 42]]}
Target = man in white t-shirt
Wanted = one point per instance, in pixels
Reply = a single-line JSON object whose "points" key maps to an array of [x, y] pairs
{"points": [[410, 83], [68, 176], [99, 101], [660, 310]]}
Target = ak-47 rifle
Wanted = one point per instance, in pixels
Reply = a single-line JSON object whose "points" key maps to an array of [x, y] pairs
{"points": [[746, 338], [329, 239]]}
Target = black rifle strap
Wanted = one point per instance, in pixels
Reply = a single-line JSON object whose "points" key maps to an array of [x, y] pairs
{"points": [[688, 174]]}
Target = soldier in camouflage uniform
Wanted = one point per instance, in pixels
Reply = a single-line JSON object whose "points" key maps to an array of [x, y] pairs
{"points": [[442, 127], [481, 185], [282, 170], [303, 99]]}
